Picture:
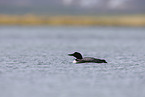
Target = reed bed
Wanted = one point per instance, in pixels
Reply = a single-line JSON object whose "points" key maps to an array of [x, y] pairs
{"points": [[98, 20]]}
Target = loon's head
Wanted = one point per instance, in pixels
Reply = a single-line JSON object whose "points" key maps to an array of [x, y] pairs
{"points": [[77, 55]]}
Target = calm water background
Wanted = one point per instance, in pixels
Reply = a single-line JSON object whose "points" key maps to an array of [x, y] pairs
{"points": [[34, 62]]}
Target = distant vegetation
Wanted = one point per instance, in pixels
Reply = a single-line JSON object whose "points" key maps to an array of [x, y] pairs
{"points": [[77, 20]]}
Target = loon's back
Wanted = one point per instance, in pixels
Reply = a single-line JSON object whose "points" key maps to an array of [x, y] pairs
{"points": [[90, 60]]}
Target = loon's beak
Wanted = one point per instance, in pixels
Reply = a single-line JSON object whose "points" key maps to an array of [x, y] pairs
{"points": [[70, 54]]}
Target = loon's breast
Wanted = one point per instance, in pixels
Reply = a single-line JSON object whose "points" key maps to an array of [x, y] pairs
{"points": [[89, 60]]}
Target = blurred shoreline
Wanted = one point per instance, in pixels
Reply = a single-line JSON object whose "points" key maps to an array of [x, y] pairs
{"points": [[133, 20]]}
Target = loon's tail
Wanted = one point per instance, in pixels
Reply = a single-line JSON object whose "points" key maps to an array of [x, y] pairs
{"points": [[104, 61]]}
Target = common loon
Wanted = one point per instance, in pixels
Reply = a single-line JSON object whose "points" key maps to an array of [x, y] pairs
{"points": [[80, 59]]}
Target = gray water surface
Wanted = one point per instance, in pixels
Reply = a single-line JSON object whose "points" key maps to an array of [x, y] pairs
{"points": [[34, 62]]}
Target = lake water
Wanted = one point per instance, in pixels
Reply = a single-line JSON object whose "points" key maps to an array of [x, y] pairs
{"points": [[34, 62]]}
